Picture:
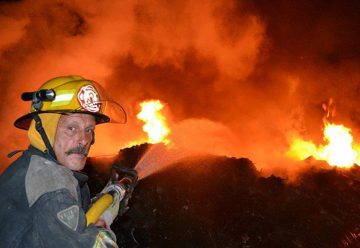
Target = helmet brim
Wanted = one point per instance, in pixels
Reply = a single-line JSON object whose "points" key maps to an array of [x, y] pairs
{"points": [[24, 121]]}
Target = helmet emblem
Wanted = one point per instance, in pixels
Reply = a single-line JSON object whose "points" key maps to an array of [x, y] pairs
{"points": [[88, 98]]}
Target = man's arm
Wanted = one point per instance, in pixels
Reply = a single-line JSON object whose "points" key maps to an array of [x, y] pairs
{"points": [[59, 221]]}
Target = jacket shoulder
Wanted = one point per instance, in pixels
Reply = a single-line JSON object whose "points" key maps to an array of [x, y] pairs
{"points": [[44, 176]]}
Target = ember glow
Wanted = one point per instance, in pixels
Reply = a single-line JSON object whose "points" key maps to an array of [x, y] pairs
{"points": [[339, 149], [155, 122]]}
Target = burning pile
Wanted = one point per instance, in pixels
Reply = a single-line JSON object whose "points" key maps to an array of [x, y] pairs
{"points": [[216, 201], [225, 202]]}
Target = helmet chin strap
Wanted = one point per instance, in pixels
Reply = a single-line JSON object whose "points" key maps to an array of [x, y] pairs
{"points": [[40, 129]]}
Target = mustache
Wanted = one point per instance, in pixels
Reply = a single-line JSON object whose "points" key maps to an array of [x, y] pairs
{"points": [[78, 150]]}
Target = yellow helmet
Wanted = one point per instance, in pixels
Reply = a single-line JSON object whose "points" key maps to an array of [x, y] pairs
{"points": [[72, 94]]}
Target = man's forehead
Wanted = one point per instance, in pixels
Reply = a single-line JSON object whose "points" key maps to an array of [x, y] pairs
{"points": [[80, 118]]}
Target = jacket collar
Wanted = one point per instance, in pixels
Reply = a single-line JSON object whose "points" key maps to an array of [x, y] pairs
{"points": [[81, 177]]}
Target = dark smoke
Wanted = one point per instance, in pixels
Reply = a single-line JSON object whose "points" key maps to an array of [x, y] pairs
{"points": [[260, 68]]}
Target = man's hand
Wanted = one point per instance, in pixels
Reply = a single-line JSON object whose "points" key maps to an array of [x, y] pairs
{"points": [[112, 211], [101, 223]]}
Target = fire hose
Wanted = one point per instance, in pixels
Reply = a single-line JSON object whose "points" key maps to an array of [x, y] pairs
{"points": [[125, 186]]}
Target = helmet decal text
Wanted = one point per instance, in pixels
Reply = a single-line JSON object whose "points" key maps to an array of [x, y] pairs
{"points": [[89, 99]]}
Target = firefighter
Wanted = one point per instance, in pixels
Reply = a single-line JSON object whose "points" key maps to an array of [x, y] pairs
{"points": [[44, 196]]}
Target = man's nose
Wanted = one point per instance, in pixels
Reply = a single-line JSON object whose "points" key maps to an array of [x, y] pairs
{"points": [[84, 138]]}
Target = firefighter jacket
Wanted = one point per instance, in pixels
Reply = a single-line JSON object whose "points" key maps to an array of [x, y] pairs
{"points": [[42, 204]]}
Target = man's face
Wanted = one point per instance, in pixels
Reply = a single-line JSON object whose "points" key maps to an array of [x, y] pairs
{"points": [[73, 138]]}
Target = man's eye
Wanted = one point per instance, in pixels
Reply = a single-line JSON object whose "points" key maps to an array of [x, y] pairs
{"points": [[71, 128], [89, 130]]}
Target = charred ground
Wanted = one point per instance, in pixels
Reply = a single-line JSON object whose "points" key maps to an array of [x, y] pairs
{"points": [[225, 202]]}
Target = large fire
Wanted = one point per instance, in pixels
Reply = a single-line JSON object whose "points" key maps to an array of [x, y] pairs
{"points": [[155, 122], [339, 149]]}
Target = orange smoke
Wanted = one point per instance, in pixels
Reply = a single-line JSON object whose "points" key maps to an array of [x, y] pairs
{"points": [[219, 61]]}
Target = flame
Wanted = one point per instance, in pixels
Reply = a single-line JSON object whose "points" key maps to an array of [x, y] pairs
{"points": [[338, 151], [155, 122]]}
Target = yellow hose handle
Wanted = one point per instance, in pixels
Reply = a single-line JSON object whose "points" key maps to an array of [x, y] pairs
{"points": [[98, 208]]}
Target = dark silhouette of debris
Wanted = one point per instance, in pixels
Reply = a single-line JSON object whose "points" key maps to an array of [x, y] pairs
{"points": [[225, 202]]}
